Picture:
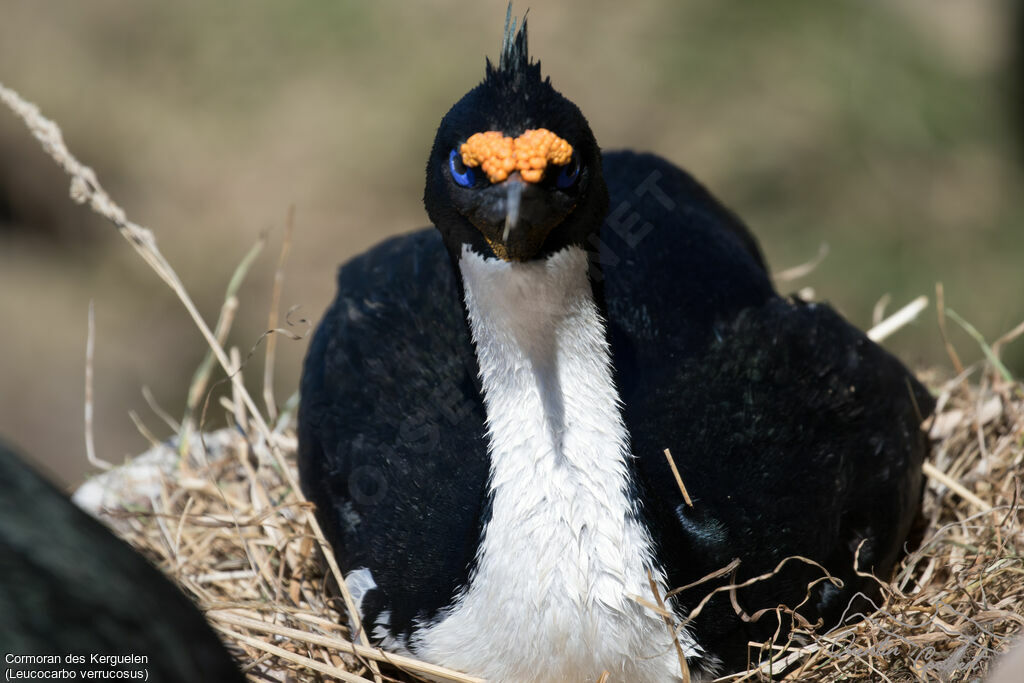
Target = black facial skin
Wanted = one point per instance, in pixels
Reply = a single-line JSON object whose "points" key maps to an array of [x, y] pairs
{"points": [[541, 209], [511, 100]]}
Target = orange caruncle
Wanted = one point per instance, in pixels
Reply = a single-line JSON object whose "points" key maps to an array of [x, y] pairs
{"points": [[530, 153]]}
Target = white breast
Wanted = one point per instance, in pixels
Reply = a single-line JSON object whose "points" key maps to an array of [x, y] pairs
{"points": [[562, 555]]}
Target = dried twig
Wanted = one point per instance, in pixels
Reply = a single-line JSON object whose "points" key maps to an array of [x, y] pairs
{"points": [[898, 320], [933, 472], [666, 616], [275, 303], [940, 309], [679, 479], [399, 661], [804, 269], [90, 349]]}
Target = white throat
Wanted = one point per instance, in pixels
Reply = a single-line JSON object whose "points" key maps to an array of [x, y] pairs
{"points": [[562, 556]]}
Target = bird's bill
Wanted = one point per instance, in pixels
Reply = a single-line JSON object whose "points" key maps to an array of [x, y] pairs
{"points": [[515, 217]]}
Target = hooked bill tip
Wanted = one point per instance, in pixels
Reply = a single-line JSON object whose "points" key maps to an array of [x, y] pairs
{"points": [[515, 191]]}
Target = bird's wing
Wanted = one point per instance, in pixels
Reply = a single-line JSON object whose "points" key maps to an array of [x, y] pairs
{"points": [[673, 261], [391, 428], [794, 434]]}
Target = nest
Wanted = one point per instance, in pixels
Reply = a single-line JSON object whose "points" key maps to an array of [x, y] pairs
{"points": [[955, 603], [227, 522], [221, 514]]}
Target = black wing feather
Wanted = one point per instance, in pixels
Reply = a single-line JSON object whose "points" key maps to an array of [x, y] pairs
{"points": [[673, 262], [793, 432], [392, 447]]}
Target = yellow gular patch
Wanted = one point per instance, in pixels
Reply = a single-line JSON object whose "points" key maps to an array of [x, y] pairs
{"points": [[530, 153]]}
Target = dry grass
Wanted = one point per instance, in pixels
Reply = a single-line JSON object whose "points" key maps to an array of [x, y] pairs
{"points": [[222, 514], [957, 601], [230, 532]]}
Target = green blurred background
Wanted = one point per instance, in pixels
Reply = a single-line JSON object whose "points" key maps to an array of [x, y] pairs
{"points": [[886, 130]]}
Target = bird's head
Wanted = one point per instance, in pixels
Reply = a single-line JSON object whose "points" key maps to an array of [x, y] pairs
{"points": [[515, 171]]}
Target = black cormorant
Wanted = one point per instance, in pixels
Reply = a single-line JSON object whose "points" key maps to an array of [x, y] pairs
{"points": [[75, 598], [486, 405]]}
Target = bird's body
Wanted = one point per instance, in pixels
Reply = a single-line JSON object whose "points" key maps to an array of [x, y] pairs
{"points": [[72, 590], [483, 424]]}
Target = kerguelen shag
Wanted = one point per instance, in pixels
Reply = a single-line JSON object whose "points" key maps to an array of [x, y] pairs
{"points": [[486, 406], [76, 600]]}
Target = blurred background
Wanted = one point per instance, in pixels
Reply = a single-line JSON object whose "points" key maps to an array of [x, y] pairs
{"points": [[889, 131]]}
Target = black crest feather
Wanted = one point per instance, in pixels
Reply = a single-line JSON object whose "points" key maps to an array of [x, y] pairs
{"points": [[514, 65]]}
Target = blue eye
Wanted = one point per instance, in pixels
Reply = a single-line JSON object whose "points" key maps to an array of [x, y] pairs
{"points": [[570, 172], [462, 174]]}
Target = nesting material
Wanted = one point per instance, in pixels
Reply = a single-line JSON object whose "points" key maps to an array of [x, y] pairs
{"points": [[956, 601], [232, 533]]}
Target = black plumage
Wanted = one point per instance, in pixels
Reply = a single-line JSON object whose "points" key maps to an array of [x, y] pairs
{"points": [[68, 586], [369, 449], [794, 433]]}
